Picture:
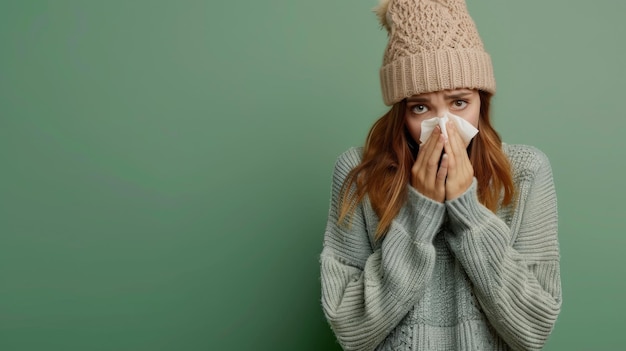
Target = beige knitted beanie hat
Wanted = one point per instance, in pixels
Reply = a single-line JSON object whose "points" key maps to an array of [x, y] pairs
{"points": [[433, 45]]}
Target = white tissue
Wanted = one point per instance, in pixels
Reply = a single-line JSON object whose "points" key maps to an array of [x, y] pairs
{"points": [[465, 128]]}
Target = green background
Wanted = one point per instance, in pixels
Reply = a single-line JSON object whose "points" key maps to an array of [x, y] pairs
{"points": [[166, 165]]}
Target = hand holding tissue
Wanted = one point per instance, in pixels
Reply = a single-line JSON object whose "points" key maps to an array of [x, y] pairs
{"points": [[466, 129]]}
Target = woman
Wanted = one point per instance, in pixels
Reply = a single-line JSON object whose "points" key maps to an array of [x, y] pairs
{"points": [[439, 242]]}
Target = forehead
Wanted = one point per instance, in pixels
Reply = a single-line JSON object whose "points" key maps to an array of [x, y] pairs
{"points": [[446, 93]]}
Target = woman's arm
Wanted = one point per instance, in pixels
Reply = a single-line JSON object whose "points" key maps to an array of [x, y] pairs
{"points": [[367, 292], [516, 273]]}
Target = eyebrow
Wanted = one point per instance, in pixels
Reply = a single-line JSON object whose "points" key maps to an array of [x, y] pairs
{"points": [[459, 95], [421, 99]]}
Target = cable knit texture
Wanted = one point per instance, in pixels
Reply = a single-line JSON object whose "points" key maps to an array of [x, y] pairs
{"points": [[433, 45], [452, 276]]}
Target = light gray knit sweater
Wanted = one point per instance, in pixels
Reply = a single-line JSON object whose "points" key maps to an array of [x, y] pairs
{"points": [[452, 276]]}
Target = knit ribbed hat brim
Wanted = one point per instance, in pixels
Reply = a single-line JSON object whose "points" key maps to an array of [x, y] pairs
{"points": [[436, 70]]}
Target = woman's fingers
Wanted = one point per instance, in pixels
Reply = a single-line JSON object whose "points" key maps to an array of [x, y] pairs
{"points": [[432, 146], [430, 143], [451, 164], [425, 168], [454, 139], [460, 171], [432, 163], [442, 173]]}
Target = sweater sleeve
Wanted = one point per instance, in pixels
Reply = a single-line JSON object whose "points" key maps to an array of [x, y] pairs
{"points": [[516, 272], [365, 291]]}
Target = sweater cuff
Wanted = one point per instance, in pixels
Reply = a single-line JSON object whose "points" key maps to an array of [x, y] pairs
{"points": [[421, 216], [466, 212]]}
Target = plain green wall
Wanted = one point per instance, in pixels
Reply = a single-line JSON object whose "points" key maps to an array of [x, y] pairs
{"points": [[165, 165]]}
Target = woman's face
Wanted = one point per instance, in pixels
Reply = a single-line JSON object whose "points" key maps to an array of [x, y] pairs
{"points": [[464, 103]]}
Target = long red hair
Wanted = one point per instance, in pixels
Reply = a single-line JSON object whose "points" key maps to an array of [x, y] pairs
{"points": [[385, 169]]}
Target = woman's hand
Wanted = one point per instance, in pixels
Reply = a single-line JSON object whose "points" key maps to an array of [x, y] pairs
{"points": [[426, 175], [459, 168]]}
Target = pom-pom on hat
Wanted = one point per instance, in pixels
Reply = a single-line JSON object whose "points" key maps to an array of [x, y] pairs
{"points": [[433, 45]]}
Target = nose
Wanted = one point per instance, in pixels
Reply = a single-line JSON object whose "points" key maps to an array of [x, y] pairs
{"points": [[440, 112]]}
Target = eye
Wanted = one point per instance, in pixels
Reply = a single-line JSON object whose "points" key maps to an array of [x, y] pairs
{"points": [[419, 109], [459, 104]]}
